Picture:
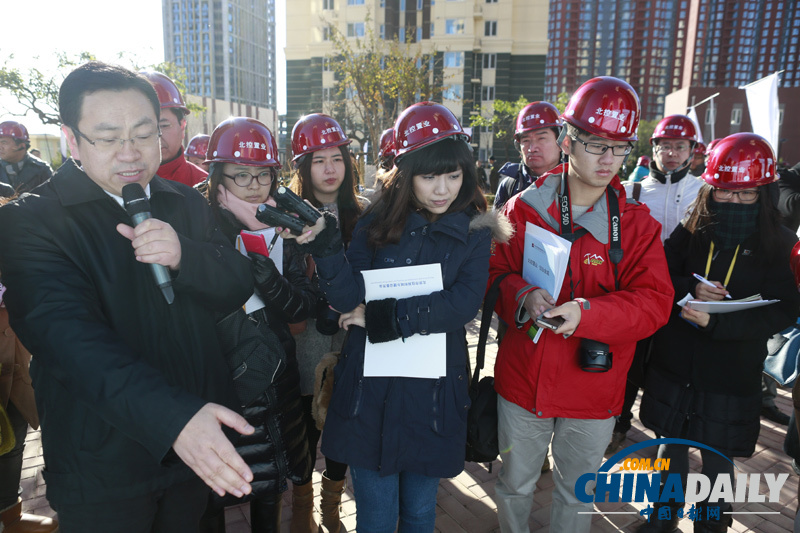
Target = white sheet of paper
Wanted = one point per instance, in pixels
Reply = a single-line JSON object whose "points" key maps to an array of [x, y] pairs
{"points": [[255, 303], [723, 306], [420, 356]]}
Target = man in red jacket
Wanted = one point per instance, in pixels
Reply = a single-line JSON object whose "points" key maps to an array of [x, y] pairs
{"points": [[172, 124], [617, 270]]}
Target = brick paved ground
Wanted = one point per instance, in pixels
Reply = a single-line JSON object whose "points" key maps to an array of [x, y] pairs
{"points": [[466, 502]]}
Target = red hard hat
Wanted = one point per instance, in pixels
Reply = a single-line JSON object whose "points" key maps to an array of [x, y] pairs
{"points": [[643, 161], [168, 94], [15, 130], [700, 149], [677, 127], [422, 124], [741, 161], [316, 132], [535, 116], [386, 144], [794, 262], [711, 146], [198, 146], [605, 106], [243, 141]]}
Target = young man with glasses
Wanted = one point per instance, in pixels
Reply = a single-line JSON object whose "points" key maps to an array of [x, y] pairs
{"points": [[132, 390], [616, 270], [172, 124]]}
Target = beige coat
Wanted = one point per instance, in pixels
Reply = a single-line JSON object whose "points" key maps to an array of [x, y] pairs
{"points": [[15, 380]]}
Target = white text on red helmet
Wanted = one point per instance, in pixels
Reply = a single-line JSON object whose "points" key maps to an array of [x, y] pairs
{"points": [[613, 113], [250, 144], [417, 126]]}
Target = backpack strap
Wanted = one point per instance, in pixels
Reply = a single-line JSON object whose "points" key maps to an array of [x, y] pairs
{"points": [[637, 190], [489, 302]]}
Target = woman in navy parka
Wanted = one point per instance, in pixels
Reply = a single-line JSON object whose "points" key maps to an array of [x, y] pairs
{"points": [[401, 435]]}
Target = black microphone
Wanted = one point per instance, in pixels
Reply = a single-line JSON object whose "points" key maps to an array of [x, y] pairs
{"points": [[138, 207]]}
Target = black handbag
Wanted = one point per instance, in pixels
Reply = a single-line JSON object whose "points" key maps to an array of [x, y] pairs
{"points": [[482, 443]]}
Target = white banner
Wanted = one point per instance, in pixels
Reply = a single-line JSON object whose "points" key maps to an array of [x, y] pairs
{"points": [[762, 101], [693, 116]]}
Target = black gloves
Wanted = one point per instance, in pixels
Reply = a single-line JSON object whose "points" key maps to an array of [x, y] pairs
{"points": [[381, 320], [265, 273], [328, 242]]}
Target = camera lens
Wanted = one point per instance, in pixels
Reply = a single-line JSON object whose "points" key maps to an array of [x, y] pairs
{"points": [[595, 356]]}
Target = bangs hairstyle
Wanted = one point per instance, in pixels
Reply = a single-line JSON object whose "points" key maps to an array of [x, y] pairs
{"points": [[215, 178], [700, 222], [397, 198], [346, 199]]}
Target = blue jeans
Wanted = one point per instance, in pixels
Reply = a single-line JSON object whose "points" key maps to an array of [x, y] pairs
{"points": [[381, 500]]}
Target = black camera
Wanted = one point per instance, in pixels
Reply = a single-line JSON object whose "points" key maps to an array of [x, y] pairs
{"points": [[594, 356], [327, 318]]}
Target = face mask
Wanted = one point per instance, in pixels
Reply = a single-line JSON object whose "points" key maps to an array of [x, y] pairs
{"points": [[733, 222]]}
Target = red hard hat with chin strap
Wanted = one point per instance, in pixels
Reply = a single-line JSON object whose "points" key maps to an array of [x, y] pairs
{"points": [[741, 161], [168, 94], [198, 146], [316, 132], [15, 130], [606, 107], [700, 149], [423, 124], [243, 141]]}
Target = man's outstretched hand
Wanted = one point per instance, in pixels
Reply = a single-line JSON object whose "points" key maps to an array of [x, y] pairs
{"points": [[205, 449]]}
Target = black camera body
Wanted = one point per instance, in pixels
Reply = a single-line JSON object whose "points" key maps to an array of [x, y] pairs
{"points": [[594, 356], [327, 318], [283, 216]]}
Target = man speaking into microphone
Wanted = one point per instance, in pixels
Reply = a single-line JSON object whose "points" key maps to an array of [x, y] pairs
{"points": [[132, 391]]}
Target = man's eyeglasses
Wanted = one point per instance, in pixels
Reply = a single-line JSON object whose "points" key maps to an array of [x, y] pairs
{"points": [[244, 179], [600, 149], [672, 148], [146, 140], [722, 195]]}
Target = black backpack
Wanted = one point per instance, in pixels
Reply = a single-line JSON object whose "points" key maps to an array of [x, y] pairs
{"points": [[482, 443]]}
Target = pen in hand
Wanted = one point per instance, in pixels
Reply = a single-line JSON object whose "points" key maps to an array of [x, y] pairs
{"points": [[704, 281], [272, 243]]}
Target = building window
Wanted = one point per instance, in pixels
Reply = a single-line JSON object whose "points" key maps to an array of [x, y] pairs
{"points": [[710, 115], [327, 94], [327, 4], [454, 26], [355, 2], [489, 61], [419, 34], [419, 5], [355, 29], [431, 32], [383, 31], [490, 28], [487, 93], [491, 1], [454, 59], [736, 116], [326, 34], [453, 92], [326, 64]]}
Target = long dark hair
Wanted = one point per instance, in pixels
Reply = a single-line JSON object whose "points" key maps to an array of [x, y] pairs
{"points": [[346, 199], [701, 222], [397, 198]]}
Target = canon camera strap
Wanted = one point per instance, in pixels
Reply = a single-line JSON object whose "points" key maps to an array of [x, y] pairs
{"points": [[614, 226]]}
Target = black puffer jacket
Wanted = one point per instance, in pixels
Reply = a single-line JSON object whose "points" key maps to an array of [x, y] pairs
{"points": [[704, 384], [278, 449]]}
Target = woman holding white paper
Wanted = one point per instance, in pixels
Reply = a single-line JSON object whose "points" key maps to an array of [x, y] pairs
{"points": [[243, 175], [703, 381], [400, 435]]}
